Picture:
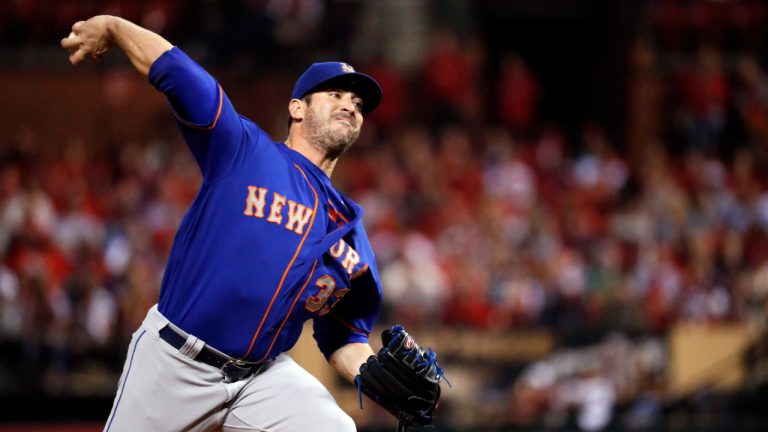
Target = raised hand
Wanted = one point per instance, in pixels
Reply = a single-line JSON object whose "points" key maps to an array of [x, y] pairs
{"points": [[89, 40]]}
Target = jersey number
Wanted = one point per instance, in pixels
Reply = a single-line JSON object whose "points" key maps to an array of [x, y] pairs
{"points": [[326, 297]]}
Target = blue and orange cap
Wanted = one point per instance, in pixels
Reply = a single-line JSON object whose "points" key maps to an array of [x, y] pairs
{"points": [[329, 74]]}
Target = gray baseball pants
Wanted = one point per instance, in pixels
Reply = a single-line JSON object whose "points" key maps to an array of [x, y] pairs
{"points": [[163, 389]]}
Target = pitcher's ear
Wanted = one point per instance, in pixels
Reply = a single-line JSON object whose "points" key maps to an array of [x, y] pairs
{"points": [[296, 109]]}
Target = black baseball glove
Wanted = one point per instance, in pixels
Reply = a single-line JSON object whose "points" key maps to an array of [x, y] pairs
{"points": [[402, 378]]}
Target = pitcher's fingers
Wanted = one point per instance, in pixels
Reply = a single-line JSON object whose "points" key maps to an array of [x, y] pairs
{"points": [[77, 26], [70, 42], [77, 57]]}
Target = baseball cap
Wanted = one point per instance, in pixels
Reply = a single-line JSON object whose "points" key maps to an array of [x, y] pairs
{"points": [[329, 74]]}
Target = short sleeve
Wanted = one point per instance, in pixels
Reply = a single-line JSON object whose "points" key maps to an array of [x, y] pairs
{"points": [[352, 318], [212, 128]]}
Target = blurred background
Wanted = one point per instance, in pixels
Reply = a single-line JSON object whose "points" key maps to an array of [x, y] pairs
{"points": [[568, 199]]}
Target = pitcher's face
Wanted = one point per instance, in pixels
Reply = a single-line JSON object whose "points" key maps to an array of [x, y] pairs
{"points": [[333, 120]]}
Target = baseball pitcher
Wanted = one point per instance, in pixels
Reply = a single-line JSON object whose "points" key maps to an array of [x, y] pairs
{"points": [[267, 244]]}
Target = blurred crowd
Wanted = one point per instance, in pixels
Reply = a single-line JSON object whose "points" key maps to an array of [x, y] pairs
{"points": [[484, 215], [231, 33]]}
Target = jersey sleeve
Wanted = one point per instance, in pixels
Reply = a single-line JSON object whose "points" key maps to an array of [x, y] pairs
{"points": [[351, 321], [353, 317], [211, 126]]}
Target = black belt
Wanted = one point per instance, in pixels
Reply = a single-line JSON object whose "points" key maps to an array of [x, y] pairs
{"points": [[234, 369]]}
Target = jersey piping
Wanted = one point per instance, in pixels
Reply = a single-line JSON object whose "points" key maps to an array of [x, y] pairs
{"points": [[290, 264], [290, 311], [347, 325], [334, 214], [201, 127]]}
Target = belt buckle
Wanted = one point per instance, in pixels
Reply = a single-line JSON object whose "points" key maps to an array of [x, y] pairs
{"points": [[235, 370]]}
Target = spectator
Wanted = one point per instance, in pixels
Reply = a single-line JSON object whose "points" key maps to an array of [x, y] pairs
{"points": [[517, 95], [704, 93]]}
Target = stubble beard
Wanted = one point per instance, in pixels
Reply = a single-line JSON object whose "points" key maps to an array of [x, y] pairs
{"points": [[334, 141]]}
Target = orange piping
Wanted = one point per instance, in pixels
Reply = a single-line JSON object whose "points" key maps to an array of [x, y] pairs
{"points": [[290, 311], [215, 120], [349, 326], [290, 264]]}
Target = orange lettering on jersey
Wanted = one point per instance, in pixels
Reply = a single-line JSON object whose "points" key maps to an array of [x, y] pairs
{"points": [[341, 292], [298, 214], [351, 260], [337, 249], [337, 295], [327, 297], [317, 303], [255, 201], [276, 210]]}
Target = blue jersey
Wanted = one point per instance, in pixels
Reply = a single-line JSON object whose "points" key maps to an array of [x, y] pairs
{"points": [[268, 242]]}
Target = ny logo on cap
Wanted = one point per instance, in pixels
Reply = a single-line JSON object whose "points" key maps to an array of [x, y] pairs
{"points": [[347, 68]]}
